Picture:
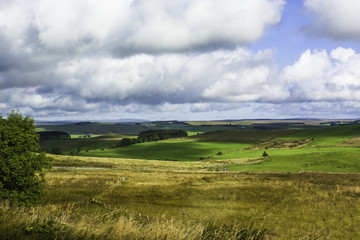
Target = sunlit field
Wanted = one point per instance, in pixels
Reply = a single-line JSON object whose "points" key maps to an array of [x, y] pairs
{"points": [[160, 202], [215, 185]]}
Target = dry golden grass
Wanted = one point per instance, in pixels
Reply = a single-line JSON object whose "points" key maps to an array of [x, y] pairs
{"points": [[352, 142], [139, 199], [141, 164], [288, 205]]}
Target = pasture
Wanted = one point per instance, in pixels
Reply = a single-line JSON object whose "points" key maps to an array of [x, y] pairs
{"points": [[326, 149], [133, 199], [212, 185]]}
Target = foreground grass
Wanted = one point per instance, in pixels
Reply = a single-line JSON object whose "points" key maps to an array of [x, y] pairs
{"points": [[64, 222], [130, 198], [151, 204]]}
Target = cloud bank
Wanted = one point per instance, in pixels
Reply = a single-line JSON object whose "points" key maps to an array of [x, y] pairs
{"points": [[81, 58], [135, 26]]}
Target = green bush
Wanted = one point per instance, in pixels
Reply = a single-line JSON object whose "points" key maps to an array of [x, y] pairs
{"points": [[21, 166]]}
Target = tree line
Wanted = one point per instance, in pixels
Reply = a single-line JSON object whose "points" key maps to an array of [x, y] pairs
{"points": [[54, 135], [153, 136]]}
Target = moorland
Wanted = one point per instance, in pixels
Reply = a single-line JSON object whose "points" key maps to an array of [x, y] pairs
{"points": [[268, 179]]}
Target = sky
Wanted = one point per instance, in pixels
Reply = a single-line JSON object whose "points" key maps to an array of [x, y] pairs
{"points": [[180, 59]]}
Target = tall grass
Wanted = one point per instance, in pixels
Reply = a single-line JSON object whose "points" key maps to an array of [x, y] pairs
{"points": [[287, 205], [64, 222], [152, 204]]}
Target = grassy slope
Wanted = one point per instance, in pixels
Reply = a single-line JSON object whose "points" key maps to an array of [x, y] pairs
{"points": [[327, 161], [242, 136], [68, 146], [327, 136], [325, 149], [140, 199], [133, 204], [168, 150]]}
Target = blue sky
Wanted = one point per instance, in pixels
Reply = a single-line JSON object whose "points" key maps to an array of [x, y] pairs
{"points": [[181, 59], [290, 39]]}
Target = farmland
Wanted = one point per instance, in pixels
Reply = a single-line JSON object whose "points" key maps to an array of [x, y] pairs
{"points": [[213, 185]]}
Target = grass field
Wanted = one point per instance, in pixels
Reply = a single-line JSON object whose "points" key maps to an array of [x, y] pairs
{"points": [[308, 187], [327, 161], [188, 204], [333, 149], [168, 150], [327, 136]]}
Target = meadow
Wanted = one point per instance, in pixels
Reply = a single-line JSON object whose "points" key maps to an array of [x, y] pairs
{"points": [[174, 202], [212, 185], [333, 149]]}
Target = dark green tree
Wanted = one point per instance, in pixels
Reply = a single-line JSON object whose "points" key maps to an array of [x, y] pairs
{"points": [[22, 168]]}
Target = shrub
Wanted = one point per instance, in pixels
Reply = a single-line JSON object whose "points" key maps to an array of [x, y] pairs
{"points": [[21, 166], [127, 141]]}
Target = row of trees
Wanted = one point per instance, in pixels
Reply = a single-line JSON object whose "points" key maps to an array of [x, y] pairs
{"points": [[54, 135], [153, 136], [156, 135]]}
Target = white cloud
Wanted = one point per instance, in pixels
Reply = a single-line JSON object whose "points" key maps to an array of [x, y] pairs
{"points": [[226, 76], [129, 26], [140, 56], [215, 106], [223, 80], [319, 76], [247, 85], [247, 78], [338, 19], [181, 25], [32, 99]]}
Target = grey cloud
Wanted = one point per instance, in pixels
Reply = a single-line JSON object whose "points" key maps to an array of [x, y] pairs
{"points": [[227, 76], [36, 37], [139, 26], [321, 109], [336, 19], [215, 106], [131, 57]]}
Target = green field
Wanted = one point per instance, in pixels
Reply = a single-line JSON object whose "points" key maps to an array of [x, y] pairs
{"points": [[322, 161], [327, 136], [137, 199], [168, 150], [321, 149], [308, 187]]}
